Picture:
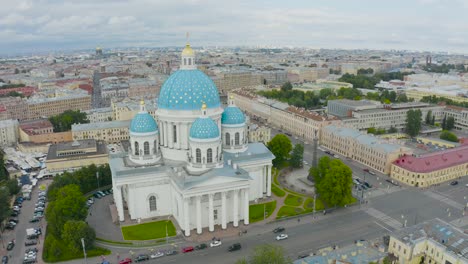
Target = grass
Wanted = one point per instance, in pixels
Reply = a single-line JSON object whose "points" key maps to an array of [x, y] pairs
{"points": [[113, 242], [275, 173], [149, 231], [68, 255], [286, 211], [277, 190], [256, 211], [293, 200], [309, 205]]}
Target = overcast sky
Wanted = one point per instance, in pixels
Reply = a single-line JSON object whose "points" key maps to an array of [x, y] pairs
{"points": [[39, 25]]}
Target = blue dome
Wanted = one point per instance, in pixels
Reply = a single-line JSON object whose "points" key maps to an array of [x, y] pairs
{"points": [[187, 90], [232, 115], [204, 128], [143, 123]]}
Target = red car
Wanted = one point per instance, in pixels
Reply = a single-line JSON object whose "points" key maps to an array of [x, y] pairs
{"points": [[125, 261], [187, 249], [366, 170]]}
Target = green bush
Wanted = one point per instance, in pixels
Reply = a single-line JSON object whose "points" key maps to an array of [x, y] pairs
{"points": [[277, 190], [256, 211], [293, 200], [449, 136]]}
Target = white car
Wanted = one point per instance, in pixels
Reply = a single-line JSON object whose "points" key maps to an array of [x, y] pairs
{"points": [[281, 237], [157, 255], [216, 243]]}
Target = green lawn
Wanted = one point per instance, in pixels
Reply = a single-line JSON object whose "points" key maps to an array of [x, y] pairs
{"points": [[149, 231], [293, 200], [256, 211], [277, 190], [289, 211], [309, 205], [274, 174]]}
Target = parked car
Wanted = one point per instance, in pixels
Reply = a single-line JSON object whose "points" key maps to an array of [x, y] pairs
{"points": [[171, 252], [5, 260], [454, 183], [234, 247], [371, 172], [10, 227], [201, 246], [215, 243], [157, 255], [36, 236], [367, 185], [187, 249], [142, 257], [125, 261], [30, 243], [11, 245], [281, 237], [366, 170], [14, 213], [97, 195], [303, 256], [278, 229]]}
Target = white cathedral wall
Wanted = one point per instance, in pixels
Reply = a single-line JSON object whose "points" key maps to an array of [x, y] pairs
{"points": [[139, 199]]}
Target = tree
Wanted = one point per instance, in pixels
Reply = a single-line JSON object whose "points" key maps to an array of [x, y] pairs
{"points": [[65, 120], [392, 129], [444, 123], [3, 174], [13, 187], [280, 146], [335, 188], [371, 130], [433, 120], [286, 87], [69, 204], [324, 93], [413, 122], [429, 117], [402, 98], [449, 136], [4, 204], [73, 231], [17, 71], [319, 173], [271, 254], [450, 123], [297, 156]]}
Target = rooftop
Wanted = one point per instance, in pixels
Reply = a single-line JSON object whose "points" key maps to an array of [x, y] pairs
{"points": [[79, 148], [29, 127], [354, 102], [101, 125]]}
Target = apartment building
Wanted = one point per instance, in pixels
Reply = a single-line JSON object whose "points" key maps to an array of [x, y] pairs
{"points": [[345, 107], [457, 94], [16, 108], [309, 74], [434, 241], [274, 77], [229, 81], [460, 115], [41, 131], [8, 132], [45, 107], [126, 109], [97, 115], [143, 88], [433, 168], [366, 149], [259, 133], [108, 132]]}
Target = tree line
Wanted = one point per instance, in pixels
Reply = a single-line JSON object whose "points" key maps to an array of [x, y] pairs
{"points": [[445, 68], [65, 120], [361, 80], [284, 152], [435, 100]]}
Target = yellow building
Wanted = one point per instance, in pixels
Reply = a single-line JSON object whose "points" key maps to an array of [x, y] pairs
{"points": [[434, 241], [45, 107], [127, 108], [76, 154], [432, 168], [259, 133], [418, 94], [41, 131], [369, 150], [108, 132]]}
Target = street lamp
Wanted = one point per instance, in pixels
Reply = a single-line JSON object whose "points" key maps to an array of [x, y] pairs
{"points": [[84, 250], [97, 177], [403, 217]]}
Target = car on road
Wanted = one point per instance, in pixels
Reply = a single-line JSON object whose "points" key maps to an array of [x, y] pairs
{"points": [[366, 170], [5, 260], [216, 243], [371, 172], [278, 229], [234, 247], [157, 255], [125, 261], [454, 183], [367, 185], [171, 252], [201, 246], [392, 182], [142, 257], [10, 245], [187, 249], [281, 237]]}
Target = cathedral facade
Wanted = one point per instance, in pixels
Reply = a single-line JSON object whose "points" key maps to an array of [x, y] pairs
{"points": [[193, 162]]}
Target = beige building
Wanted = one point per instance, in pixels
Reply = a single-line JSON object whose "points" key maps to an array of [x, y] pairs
{"points": [[76, 154], [432, 168], [127, 108], [108, 132], [369, 150], [45, 107], [418, 93], [29, 147], [299, 122], [16, 108], [309, 74], [460, 115], [434, 241], [97, 115], [259, 133], [143, 88], [234, 80], [41, 131], [8, 132]]}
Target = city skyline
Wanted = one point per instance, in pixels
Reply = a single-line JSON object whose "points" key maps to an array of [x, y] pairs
{"points": [[49, 25]]}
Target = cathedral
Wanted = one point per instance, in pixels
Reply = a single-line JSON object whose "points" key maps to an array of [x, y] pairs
{"points": [[193, 162]]}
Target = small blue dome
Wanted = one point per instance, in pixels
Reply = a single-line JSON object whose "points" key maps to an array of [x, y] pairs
{"points": [[143, 123], [204, 128], [187, 90], [232, 115]]}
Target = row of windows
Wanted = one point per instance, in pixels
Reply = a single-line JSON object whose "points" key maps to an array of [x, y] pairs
{"points": [[236, 139], [146, 148], [209, 155]]}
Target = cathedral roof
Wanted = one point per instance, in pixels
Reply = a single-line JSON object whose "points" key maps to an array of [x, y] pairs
{"points": [[204, 128], [232, 115], [143, 123]]}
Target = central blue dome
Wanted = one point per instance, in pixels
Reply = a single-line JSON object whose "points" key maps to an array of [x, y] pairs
{"points": [[188, 90], [204, 128], [143, 123]]}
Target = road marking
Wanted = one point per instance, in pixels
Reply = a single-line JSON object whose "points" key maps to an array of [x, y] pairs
{"points": [[382, 226], [383, 217], [438, 196]]}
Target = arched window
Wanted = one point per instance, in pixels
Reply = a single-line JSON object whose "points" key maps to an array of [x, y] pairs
{"points": [[228, 139], [198, 155], [236, 139], [155, 147], [185, 61], [209, 156], [152, 204], [137, 148], [146, 149], [190, 61]]}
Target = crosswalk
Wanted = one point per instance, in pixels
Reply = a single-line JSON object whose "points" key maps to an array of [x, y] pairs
{"points": [[444, 199], [383, 218]]}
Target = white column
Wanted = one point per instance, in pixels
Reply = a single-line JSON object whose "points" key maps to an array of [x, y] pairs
{"points": [[263, 181], [186, 217], [179, 127], [199, 215], [166, 134], [246, 206], [223, 210], [268, 181], [210, 213], [171, 136], [235, 210], [119, 202]]}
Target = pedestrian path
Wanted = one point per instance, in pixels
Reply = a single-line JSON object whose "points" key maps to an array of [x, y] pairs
{"points": [[383, 218], [444, 199], [460, 222]]}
